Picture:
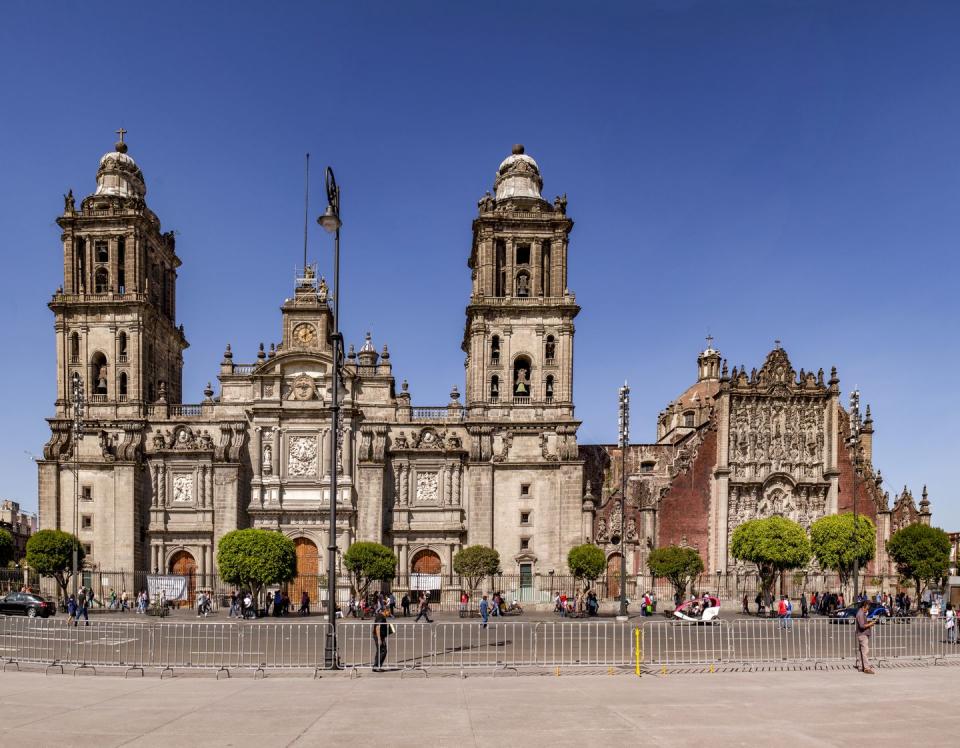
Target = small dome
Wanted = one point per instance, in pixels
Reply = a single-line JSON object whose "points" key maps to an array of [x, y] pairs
{"points": [[518, 176], [119, 175]]}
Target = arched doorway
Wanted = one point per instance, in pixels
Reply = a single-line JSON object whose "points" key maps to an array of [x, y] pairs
{"points": [[425, 568], [426, 562], [308, 569], [613, 576], [183, 564]]}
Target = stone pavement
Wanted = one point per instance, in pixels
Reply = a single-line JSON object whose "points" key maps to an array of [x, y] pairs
{"points": [[723, 709]]}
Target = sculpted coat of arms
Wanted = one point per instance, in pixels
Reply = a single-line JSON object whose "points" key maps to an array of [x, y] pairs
{"points": [[302, 458]]}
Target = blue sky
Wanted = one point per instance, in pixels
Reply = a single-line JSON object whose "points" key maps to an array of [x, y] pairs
{"points": [[759, 171]]}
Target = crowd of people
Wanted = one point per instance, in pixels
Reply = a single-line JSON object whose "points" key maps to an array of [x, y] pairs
{"points": [[581, 605]]}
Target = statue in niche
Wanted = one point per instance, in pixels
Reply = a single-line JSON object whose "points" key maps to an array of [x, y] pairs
{"points": [[400, 442], [523, 285], [522, 386], [69, 205], [267, 459]]}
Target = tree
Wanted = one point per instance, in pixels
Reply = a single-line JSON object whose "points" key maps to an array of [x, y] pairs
{"points": [[921, 553], [367, 562], [50, 554], [835, 545], [475, 563], [586, 562], [677, 564], [775, 544], [254, 558], [6, 547]]}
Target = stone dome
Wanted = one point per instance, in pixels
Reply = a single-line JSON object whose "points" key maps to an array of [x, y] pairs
{"points": [[119, 175], [518, 176]]}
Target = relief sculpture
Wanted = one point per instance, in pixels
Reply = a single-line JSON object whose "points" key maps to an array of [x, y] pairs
{"points": [[302, 462]]}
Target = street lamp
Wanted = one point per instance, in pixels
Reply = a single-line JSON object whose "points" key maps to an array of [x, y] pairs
{"points": [[79, 406], [624, 443], [854, 444], [330, 220]]}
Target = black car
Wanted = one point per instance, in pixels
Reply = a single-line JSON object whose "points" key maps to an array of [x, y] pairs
{"points": [[876, 612], [26, 604]]}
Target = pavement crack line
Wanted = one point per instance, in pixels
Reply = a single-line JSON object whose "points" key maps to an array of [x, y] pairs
{"points": [[333, 702]]}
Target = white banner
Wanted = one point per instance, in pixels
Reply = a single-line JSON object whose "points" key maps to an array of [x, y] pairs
{"points": [[173, 587], [424, 581]]}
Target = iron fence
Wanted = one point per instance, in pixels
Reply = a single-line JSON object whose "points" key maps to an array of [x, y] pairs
{"points": [[445, 589]]}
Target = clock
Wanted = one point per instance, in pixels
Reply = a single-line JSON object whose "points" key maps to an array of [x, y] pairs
{"points": [[305, 335]]}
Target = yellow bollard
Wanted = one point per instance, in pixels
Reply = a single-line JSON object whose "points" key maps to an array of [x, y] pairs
{"points": [[663, 670], [711, 667], [638, 639], [558, 671]]}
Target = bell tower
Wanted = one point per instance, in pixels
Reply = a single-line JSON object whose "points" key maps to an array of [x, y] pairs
{"points": [[115, 315], [519, 328]]}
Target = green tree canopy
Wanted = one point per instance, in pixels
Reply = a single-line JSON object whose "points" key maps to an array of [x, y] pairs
{"points": [[835, 545], [253, 558], [50, 554], [677, 564], [921, 553], [586, 562], [475, 563], [367, 562], [6, 547], [775, 544]]}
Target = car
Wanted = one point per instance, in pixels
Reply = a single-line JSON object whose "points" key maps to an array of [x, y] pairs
{"points": [[876, 612], [699, 610], [26, 604]]}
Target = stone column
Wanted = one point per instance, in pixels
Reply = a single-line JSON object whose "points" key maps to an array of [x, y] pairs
{"points": [[276, 452], [447, 497], [348, 435], [404, 557], [457, 476], [510, 266], [162, 486], [256, 452], [535, 270]]}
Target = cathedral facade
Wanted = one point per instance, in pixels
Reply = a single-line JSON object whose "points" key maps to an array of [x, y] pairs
{"points": [[156, 482]]}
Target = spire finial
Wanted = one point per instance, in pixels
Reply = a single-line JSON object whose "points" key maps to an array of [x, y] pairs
{"points": [[776, 344], [120, 146], [709, 341]]}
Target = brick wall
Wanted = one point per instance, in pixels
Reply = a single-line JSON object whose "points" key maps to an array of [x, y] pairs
{"points": [[685, 509]]}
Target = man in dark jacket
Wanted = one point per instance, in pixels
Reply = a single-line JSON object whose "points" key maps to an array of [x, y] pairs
{"points": [[381, 630]]}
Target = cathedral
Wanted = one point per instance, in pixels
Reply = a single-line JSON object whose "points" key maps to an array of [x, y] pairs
{"points": [[156, 482]]}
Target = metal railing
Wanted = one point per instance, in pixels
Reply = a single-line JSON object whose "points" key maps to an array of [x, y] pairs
{"points": [[500, 645]]}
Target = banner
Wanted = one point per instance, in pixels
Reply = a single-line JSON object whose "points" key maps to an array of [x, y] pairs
{"points": [[173, 587], [424, 581]]}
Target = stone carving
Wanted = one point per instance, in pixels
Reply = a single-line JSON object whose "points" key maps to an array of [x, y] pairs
{"points": [[182, 488], [428, 488], [453, 442], [457, 473], [504, 452], [401, 472], [486, 203], [206, 441], [545, 449], [268, 390], [106, 447], [400, 442], [158, 442], [267, 462], [302, 458], [560, 204], [303, 388], [771, 435], [601, 530]]}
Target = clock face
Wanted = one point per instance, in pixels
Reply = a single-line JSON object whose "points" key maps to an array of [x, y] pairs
{"points": [[305, 335]]}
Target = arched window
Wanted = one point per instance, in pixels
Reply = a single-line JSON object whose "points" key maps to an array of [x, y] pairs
{"points": [[688, 419], [521, 377], [122, 347], [548, 389], [101, 280], [545, 269], [550, 349], [523, 284], [98, 374], [74, 348], [494, 387], [123, 385], [101, 252], [495, 349]]}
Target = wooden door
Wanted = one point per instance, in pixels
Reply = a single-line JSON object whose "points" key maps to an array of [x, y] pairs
{"points": [[308, 571], [613, 576], [184, 565]]}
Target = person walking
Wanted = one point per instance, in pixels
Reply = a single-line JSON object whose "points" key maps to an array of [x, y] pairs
{"points": [[864, 633], [951, 624], [71, 610], [745, 605], [484, 611], [304, 603], [464, 600], [803, 606], [424, 611], [83, 608], [381, 630]]}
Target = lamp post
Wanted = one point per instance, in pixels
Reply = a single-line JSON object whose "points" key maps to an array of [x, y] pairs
{"points": [[79, 405], [854, 444], [624, 442], [330, 220]]}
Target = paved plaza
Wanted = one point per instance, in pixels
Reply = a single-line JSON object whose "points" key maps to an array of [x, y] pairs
{"points": [[801, 708]]}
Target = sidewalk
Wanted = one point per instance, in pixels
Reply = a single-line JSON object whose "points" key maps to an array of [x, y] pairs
{"points": [[802, 708]]}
